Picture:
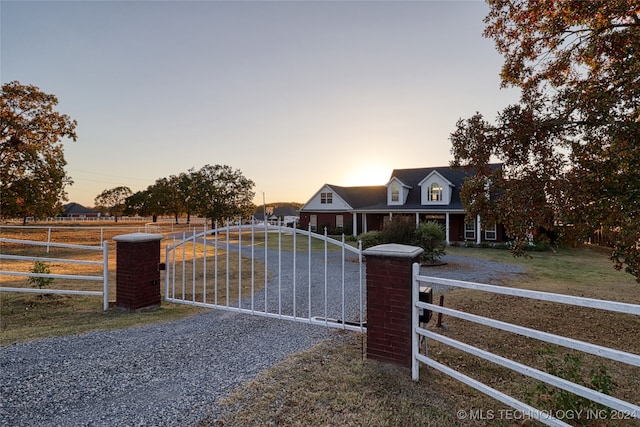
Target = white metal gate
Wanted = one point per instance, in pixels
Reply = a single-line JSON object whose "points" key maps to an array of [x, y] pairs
{"points": [[272, 271]]}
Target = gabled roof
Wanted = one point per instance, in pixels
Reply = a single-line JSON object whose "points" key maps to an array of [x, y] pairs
{"points": [[285, 211], [374, 198], [77, 209], [413, 178], [360, 197], [396, 179], [435, 173]]}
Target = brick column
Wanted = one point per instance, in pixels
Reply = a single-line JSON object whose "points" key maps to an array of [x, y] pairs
{"points": [[137, 271], [389, 281]]}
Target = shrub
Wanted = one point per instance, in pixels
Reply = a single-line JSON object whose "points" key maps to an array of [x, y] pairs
{"points": [[430, 236], [370, 239], [40, 282], [401, 230]]}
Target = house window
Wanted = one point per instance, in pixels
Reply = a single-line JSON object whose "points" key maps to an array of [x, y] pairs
{"points": [[490, 233], [339, 222], [313, 221], [435, 192], [326, 198], [395, 194], [469, 230]]}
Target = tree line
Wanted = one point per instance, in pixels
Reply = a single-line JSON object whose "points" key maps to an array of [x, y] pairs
{"points": [[216, 192]]}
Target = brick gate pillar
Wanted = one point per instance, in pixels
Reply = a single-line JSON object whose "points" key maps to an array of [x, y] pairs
{"points": [[137, 271], [389, 295]]}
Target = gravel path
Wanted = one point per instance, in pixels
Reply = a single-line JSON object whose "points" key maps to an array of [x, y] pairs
{"points": [[166, 374]]}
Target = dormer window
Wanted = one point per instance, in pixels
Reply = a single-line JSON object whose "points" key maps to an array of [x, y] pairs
{"points": [[435, 189], [395, 193], [326, 198], [435, 192]]}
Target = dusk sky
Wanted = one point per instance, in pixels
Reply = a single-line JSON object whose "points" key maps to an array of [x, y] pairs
{"points": [[295, 94]]}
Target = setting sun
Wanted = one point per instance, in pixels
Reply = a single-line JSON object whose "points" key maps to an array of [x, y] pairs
{"points": [[370, 174]]}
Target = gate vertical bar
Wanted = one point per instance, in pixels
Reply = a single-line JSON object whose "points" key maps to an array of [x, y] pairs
{"points": [[309, 271], [227, 265], [204, 263], [240, 264], [105, 275], [266, 264], [253, 263], [295, 227], [193, 267], [326, 279], [360, 285], [184, 258], [279, 269], [167, 271], [343, 266], [215, 265], [173, 264]]}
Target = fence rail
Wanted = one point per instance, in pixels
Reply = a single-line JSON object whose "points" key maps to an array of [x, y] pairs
{"points": [[104, 278], [544, 417]]}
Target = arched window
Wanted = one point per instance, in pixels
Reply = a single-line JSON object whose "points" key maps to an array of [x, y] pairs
{"points": [[435, 192]]}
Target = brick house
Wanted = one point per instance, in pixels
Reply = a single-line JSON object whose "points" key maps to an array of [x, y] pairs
{"points": [[423, 194]]}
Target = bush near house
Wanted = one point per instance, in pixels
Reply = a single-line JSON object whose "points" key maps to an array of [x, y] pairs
{"points": [[430, 236]]}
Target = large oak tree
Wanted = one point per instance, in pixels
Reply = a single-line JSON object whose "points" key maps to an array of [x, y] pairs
{"points": [[571, 146], [32, 175], [222, 193], [113, 201]]}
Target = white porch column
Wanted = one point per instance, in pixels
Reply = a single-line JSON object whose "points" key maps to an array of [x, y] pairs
{"points": [[364, 223], [417, 219], [354, 223], [446, 229], [478, 229]]}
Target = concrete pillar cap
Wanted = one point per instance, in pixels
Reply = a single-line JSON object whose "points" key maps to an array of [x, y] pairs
{"points": [[394, 250], [137, 237]]}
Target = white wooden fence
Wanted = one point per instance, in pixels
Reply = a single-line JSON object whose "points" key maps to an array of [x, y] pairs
{"points": [[102, 278], [629, 410]]}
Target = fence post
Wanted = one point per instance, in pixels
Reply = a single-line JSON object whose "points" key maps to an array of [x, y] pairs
{"points": [[389, 302], [137, 271]]}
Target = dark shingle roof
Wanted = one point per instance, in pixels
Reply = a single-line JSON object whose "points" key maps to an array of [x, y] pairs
{"points": [[77, 209], [359, 197], [285, 211], [375, 197]]}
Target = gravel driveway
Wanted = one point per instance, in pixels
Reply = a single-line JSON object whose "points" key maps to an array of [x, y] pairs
{"points": [[166, 374]]}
